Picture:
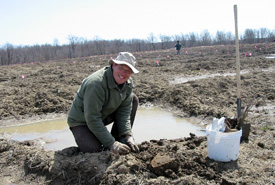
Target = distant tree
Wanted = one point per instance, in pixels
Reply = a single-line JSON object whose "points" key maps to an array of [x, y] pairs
{"points": [[115, 46], [134, 44], [55, 48], [73, 40], [229, 38], [205, 38], [88, 48], [263, 34], [100, 45], [164, 41], [249, 36], [258, 37], [176, 38], [183, 39], [81, 47], [152, 39], [220, 37], [3, 60], [271, 36], [10, 52], [46, 52], [193, 39]]}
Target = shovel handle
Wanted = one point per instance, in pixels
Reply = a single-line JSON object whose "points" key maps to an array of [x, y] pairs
{"points": [[237, 53]]}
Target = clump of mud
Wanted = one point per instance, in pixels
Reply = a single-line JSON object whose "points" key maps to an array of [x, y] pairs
{"points": [[159, 161]]}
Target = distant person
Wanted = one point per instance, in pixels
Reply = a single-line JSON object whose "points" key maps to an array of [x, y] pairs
{"points": [[178, 47], [104, 97]]}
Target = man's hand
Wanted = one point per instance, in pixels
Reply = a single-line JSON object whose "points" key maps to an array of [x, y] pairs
{"points": [[120, 148], [131, 143]]}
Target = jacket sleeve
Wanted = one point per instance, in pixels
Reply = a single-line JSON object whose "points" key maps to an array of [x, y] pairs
{"points": [[94, 98], [123, 116]]}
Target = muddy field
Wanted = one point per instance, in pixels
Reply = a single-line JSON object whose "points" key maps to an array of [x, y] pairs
{"points": [[200, 83]]}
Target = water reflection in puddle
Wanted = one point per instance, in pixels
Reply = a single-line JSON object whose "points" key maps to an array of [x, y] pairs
{"points": [[160, 124], [150, 123]]}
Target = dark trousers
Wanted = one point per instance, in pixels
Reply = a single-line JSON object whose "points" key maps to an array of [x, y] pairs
{"points": [[88, 142]]}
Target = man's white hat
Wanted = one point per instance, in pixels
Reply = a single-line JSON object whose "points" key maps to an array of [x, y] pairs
{"points": [[127, 59]]}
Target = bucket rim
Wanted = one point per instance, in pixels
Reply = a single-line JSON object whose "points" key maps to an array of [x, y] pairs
{"points": [[224, 135]]}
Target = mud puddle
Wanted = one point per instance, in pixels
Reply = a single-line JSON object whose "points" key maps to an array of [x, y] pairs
{"points": [[184, 79], [52, 134], [270, 56], [192, 78], [150, 123]]}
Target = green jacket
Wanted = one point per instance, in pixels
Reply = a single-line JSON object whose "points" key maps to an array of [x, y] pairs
{"points": [[98, 97]]}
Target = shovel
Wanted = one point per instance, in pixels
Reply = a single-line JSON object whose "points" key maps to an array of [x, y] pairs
{"points": [[239, 101], [245, 127]]}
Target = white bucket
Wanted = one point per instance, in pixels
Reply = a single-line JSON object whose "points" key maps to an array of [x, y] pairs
{"points": [[223, 146]]}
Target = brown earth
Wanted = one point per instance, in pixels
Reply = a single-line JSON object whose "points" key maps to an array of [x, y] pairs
{"points": [[35, 91]]}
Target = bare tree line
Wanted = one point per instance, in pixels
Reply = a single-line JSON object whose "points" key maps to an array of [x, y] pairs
{"points": [[80, 47]]}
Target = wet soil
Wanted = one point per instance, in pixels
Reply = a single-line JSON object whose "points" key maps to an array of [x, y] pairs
{"points": [[40, 90]]}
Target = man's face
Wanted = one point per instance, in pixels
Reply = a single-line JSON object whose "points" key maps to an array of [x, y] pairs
{"points": [[121, 73]]}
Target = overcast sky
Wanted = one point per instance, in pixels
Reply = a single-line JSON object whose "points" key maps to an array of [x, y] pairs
{"points": [[29, 22]]}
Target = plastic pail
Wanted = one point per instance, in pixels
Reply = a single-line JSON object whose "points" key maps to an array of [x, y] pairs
{"points": [[223, 146]]}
